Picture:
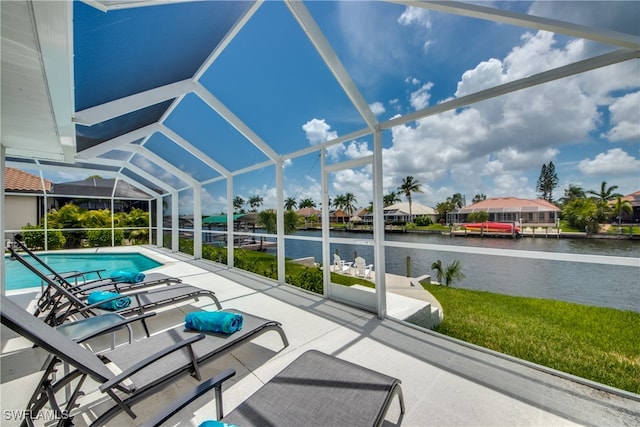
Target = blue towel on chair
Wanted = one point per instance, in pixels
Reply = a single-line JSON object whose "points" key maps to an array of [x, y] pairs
{"points": [[214, 423], [214, 321], [115, 304], [127, 276]]}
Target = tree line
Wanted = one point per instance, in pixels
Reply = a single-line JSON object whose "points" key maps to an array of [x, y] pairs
{"points": [[582, 209]]}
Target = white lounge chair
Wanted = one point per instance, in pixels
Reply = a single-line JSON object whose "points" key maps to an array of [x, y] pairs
{"points": [[362, 268], [340, 266]]}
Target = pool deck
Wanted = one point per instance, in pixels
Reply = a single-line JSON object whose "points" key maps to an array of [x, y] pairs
{"points": [[445, 382]]}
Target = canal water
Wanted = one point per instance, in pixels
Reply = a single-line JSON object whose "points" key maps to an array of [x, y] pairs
{"points": [[600, 285]]}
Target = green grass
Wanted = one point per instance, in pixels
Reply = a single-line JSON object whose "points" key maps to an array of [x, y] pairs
{"points": [[342, 279], [599, 344], [626, 230], [436, 227]]}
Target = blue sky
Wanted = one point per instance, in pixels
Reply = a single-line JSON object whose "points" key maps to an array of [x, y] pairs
{"points": [[405, 59]]}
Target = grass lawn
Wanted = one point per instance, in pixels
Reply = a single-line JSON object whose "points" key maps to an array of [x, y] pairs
{"points": [[599, 344]]}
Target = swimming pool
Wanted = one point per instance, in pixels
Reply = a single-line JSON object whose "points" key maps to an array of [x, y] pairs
{"points": [[19, 277]]}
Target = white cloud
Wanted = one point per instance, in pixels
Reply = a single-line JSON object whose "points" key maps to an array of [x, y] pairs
{"points": [[420, 98], [505, 184], [212, 204], [486, 74], [355, 181], [625, 117], [377, 108], [357, 149], [318, 131], [515, 160], [415, 16], [615, 162]]}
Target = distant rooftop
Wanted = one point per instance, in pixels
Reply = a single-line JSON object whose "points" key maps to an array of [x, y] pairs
{"points": [[499, 204], [416, 208]]}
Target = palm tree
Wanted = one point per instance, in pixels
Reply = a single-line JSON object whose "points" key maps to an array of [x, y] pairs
{"points": [[268, 220], [572, 192], [390, 199], [291, 221], [453, 273], [339, 202], [437, 266], [307, 203], [290, 204], [443, 208], [457, 201], [450, 274], [621, 206], [602, 199], [255, 202], [238, 203], [410, 185], [605, 194], [478, 198], [349, 203]]}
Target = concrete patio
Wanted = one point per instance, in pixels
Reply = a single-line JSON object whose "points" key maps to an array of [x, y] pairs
{"points": [[445, 382]]}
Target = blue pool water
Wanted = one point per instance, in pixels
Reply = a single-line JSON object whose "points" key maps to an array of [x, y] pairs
{"points": [[18, 276]]}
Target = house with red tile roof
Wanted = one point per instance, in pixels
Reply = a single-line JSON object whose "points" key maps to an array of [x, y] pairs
{"points": [[511, 209], [24, 198]]}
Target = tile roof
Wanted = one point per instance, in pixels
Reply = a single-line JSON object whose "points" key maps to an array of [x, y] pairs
{"points": [[634, 198], [308, 212], [17, 180], [511, 203]]}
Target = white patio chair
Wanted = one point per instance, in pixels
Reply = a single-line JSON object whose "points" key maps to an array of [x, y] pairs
{"points": [[341, 266], [362, 269]]}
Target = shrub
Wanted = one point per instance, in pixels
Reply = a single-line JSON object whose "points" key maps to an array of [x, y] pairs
{"points": [[103, 238], [184, 245], [34, 238], [213, 253], [309, 278], [423, 221]]}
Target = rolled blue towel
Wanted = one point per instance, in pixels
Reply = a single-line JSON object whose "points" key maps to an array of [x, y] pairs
{"points": [[214, 423], [127, 276], [214, 321], [115, 304]]}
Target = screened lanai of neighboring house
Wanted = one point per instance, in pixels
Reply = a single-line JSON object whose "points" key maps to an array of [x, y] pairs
{"points": [[144, 92]]}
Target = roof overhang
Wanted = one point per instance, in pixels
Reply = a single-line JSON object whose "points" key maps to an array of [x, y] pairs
{"points": [[37, 80]]}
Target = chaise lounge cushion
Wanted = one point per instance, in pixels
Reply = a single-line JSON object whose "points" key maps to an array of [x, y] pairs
{"points": [[319, 390]]}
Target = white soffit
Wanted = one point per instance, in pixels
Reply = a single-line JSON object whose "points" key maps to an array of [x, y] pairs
{"points": [[36, 114]]}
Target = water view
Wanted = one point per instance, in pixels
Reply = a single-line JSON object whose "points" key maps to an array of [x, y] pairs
{"points": [[591, 284]]}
